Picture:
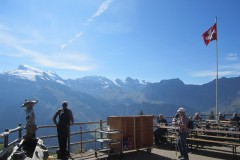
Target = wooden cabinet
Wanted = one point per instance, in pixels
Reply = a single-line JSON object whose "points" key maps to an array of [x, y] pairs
{"points": [[137, 130]]}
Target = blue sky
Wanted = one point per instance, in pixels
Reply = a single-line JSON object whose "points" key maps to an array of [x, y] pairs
{"points": [[149, 40]]}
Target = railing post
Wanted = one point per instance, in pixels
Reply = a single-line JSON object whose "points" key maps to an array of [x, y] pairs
{"points": [[101, 124], [81, 141], [20, 132], [6, 138], [101, 134]]}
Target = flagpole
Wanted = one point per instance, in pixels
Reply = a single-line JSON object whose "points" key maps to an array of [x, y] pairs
{"points": [[217, 74]]}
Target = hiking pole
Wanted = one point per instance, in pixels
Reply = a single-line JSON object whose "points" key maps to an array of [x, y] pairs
{"points": [[176, 141]]}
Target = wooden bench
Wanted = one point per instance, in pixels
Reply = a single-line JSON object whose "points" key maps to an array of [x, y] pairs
{"points": [[171, 138], [209, 137], [232, 144]]}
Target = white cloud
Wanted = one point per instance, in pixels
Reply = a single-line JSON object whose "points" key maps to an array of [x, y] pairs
{"points": [[64, 45], [101, 9], [78, 34], [65, 61], [223, 71], [61, 60], [72, 40], [232, 56], [205, 73]]}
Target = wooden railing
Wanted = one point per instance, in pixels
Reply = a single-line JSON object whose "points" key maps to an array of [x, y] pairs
{"points": [[19, 129], [7, 132]]}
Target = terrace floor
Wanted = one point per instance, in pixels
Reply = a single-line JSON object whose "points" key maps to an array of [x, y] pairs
{"points": [[164, 152]]}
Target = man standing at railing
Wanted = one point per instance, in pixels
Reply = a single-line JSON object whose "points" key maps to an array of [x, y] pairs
{"points": [[182, 126], [65, 120]]}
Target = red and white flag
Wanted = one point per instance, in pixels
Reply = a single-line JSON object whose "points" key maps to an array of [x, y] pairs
{"points": [[210, 34]]}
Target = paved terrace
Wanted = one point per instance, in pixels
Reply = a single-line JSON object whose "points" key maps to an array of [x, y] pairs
{"points": [[165, 152]]}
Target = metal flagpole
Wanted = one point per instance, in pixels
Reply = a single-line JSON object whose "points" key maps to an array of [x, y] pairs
{"points": [[217, 73]]}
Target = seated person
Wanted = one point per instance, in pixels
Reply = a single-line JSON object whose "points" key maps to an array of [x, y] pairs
{"points": [[208, 125], [211, 116], [221, 117], [235, 117], [175, 119], [197, 117], [160, 132]]}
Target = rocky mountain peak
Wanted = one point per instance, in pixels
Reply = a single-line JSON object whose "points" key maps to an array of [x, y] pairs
{"points": [[30, 73]]}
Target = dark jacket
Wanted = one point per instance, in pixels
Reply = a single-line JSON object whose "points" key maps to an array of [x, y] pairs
{"points": [[65, 117]]}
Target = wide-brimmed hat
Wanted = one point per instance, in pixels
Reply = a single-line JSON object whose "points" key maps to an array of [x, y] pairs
{"points": [[181, 109], [29, 103], [196, 114]]}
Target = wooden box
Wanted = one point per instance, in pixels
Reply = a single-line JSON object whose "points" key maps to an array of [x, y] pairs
{"points": [[137, 130]]}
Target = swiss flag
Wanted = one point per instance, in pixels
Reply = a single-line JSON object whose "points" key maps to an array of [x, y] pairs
{"points": [[210, 34]]}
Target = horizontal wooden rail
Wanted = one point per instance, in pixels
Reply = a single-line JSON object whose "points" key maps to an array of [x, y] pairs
{"points": [[7, 132]]}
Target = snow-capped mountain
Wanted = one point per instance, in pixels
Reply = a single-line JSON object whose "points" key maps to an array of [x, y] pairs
{"points": [[96, 97], [92, 82], [26, 72], [26, 81], [131, 84], [118, 91], [97, 86], [88, 83]]}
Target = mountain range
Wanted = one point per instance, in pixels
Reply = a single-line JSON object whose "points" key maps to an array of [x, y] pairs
{"points": [[93, 98]]}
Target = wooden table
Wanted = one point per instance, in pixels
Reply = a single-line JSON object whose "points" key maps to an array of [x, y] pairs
{"points": [[166, 127], [216, 137], [216, 131]]}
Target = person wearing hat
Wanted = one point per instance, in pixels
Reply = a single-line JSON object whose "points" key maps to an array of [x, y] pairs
{"points": [[182, 128], [65, 120]]}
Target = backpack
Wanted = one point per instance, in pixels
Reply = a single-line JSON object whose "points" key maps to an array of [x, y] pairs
{"points": [[64, 117], [190, 124]]}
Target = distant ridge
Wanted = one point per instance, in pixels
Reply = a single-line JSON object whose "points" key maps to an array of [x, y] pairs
{"points": [[96, 97]]}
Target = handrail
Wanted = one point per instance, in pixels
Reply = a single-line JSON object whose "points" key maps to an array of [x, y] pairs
{"points": [[7, 132]]}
